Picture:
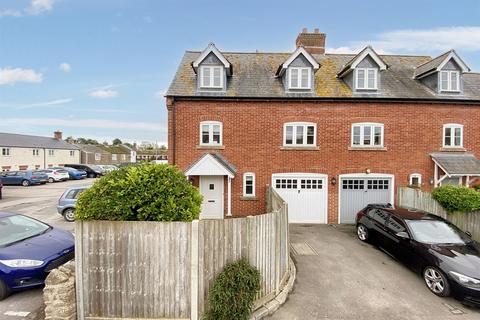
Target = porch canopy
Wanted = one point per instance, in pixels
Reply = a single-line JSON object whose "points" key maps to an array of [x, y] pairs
{"points": [[455, 165]]}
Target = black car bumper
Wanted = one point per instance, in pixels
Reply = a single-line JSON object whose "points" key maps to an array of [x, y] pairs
{"points": [[466, 295]]}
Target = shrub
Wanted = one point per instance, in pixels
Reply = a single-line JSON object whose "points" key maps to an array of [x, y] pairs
{"points": [[477, 187], [455, 198], [233, 292], [145, 192]]}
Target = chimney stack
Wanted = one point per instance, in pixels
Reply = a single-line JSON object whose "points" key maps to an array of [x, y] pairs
{"points": [[57, 135], [313, 42]]}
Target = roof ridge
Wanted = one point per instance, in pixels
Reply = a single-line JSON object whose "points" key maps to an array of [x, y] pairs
{"points": [[431, 59], [29, 135], [326, 54]]}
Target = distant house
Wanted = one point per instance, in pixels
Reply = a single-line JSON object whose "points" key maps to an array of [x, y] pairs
{"points": [[101, 154], [24, 152], [151, 155]]}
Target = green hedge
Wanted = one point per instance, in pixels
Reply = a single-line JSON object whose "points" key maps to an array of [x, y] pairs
{"points": [[145, 192], [233, 293], [456, 198]]}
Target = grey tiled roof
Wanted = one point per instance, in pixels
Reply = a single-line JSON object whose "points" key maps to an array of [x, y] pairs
{"points": [[457, 163], [91, 148], [431, 65], [27, 141], [230, 167], [254, 76]]}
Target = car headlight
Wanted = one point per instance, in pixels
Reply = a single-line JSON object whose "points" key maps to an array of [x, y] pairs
{"points": [[21, 263], [465, 280]]}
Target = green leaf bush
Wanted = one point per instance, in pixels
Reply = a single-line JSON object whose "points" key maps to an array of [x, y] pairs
{"points": [[457, 199], [232, 295], [145, 192]]}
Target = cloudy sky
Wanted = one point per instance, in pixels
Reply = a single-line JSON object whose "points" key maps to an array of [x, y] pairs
{"points": [[99, 68]]}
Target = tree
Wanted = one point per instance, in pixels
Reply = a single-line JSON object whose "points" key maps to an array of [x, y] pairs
{"points": [[116, 141]]}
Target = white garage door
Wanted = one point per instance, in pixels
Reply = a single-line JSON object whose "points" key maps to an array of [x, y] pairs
{"points": [[357, 192], [305, 194]]}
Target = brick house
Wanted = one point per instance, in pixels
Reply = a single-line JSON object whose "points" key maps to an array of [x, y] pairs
{"points": [[330, 132]]}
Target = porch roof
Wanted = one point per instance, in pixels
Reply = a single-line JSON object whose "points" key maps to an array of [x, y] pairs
{"points": [[211, 164], [457, 164]]}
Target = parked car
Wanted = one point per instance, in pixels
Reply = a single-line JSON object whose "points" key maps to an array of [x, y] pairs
{"points": [[1, 187], [446, 257], [108, 167], [73, 174], [29, 250], [23, 178], [68, 201], [55, 175], [92, 171]]}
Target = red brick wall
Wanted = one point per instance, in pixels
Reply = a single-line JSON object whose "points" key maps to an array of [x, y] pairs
{"points": [[253, 133]]}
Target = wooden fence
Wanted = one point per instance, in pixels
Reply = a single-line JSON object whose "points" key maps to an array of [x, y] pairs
{"points": [[155, 270], [417, 199]]}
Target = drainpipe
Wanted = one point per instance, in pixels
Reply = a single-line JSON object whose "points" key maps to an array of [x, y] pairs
{"points": [[44, 158], [170, 103]]}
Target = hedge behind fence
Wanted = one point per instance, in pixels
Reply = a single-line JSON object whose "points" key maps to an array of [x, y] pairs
{"points": [[145, 192], [455, 198]]}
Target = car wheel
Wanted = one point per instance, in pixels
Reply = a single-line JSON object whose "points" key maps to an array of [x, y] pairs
{"points": [[4, 291], [436, 281], [69, 215], [363, 233], [51, 180], [25, 183]]}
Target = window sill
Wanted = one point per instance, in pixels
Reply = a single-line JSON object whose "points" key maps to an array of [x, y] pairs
{"points": [[453, 149], [211, 147], [250, 198], [300, 148], [367, 148]]}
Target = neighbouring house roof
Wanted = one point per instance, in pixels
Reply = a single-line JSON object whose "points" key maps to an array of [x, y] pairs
{"points": [[91, 148], [436, 64], [353, 63], [118, 149], [28, 141], [457, 163], [255, 78], [211, 164]]}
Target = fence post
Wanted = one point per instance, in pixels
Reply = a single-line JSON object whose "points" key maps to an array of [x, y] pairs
{"points": [[194, 272], [79, 268]]}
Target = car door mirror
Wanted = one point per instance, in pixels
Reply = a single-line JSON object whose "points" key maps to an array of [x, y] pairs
{"points": [[403, 235]]}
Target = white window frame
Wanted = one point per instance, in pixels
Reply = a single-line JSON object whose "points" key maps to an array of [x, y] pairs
{"points": [[210, 125], [415, 175], [245, 175], [211, 78], [299, 79], [98, 156], [449, 81], [114, 157], [294, 134], [5, 152], [365, 87], [452, 127], [372, 126]]}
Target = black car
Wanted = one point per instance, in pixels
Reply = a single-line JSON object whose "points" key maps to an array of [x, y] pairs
{"points": [[92, 170], [446, 257]]}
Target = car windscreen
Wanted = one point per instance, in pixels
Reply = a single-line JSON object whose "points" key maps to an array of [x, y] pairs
{"points": [[96, 168], [436, 232], [17, 228]]}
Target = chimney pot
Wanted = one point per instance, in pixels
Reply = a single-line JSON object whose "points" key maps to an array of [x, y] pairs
{"points": [[313, 42], [57, 135]]}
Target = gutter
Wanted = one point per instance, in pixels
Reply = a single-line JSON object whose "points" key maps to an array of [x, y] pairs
{"points": [[321, 99]]}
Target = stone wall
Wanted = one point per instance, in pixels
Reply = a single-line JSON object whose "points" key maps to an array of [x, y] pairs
{"points": [[59, 293]]}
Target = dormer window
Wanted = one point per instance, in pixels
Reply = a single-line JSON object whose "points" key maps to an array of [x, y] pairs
{"points": [[299, 78], [366, 79], [211, 76], [449, 81]]}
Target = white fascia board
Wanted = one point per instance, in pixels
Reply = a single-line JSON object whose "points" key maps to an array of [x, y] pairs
{"points": [[453, 55], [208, 166], [211, 48], [299, 51], [368, 51]]}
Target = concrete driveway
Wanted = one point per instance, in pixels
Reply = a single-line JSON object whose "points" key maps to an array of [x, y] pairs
{"points": [[347, 279]]}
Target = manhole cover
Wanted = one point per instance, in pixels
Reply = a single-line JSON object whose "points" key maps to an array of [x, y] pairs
{"points": [[303, 249]]}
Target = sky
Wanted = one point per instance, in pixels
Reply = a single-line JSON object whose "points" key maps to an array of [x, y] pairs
{"points": [[99, 68]]}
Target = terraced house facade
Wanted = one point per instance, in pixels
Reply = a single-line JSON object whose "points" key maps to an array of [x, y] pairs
{"points": [[329, 132]]}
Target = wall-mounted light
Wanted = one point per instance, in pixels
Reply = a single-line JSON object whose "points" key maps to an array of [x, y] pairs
{"points": [[367, 171], [333, 181]]}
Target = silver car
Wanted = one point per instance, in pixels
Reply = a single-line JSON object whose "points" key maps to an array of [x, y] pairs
{"points": [[68, 201]]}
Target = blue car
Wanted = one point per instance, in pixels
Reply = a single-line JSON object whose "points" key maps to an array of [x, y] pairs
{"points": [[68, 202], [23, 178], [29, 250], [74, 174]]}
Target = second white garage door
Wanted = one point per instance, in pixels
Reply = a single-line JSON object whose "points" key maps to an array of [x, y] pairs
{"points": [[305, 194]]}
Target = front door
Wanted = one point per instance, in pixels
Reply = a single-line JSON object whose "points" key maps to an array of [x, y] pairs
{"points": [[211, 188]]}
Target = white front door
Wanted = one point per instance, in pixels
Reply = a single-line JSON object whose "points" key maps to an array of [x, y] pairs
{"points": [[305, 194], [211, 188]]}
